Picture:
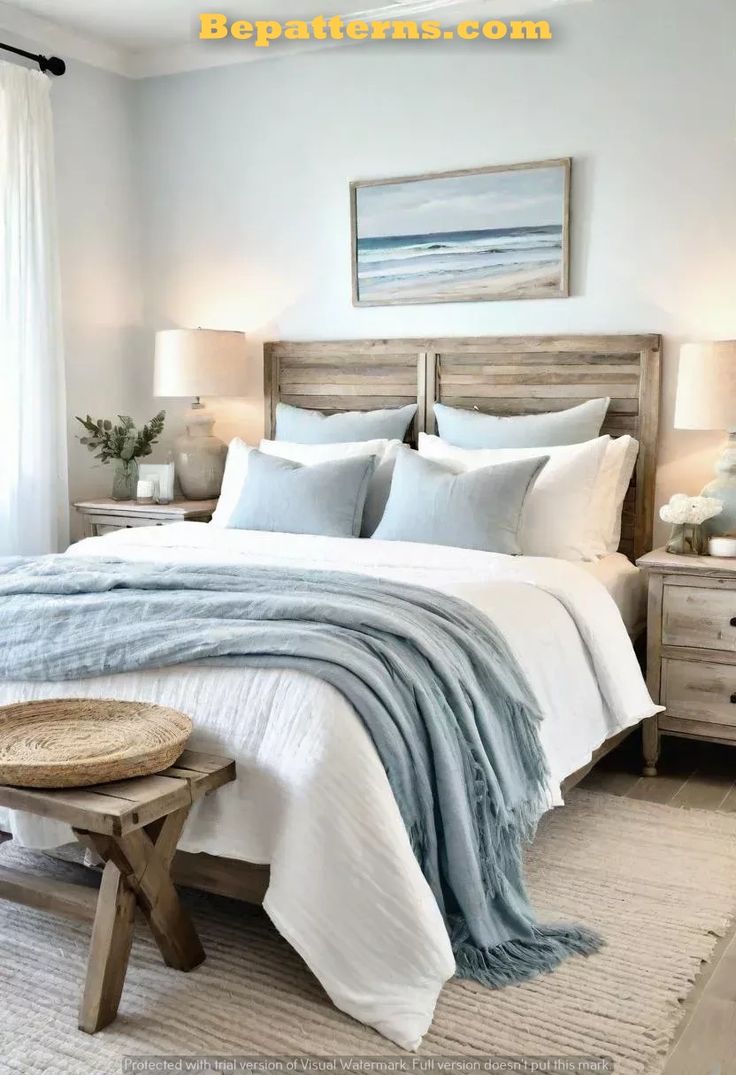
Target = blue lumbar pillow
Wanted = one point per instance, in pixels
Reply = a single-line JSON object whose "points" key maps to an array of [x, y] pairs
{"points": [[471, 429], [313, 427], [291, 498], [478, 509]]}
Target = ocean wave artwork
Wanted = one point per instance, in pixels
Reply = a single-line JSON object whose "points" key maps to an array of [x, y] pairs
{"points": [[468, 236]]}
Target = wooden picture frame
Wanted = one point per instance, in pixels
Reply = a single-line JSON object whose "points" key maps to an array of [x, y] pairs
{"points": [[546, 252]]}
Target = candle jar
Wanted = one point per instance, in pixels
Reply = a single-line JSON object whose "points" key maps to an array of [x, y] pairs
{"points": [[124, 479], [145, 492]]}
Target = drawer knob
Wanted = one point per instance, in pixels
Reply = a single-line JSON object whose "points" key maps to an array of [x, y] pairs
{"points": [[733, 699], [733, 621]]}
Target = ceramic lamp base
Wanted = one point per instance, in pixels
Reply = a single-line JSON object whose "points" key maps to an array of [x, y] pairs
{"points": [[200, 458], [723, 488]]}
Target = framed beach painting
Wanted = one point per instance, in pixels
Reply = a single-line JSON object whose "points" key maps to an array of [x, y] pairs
{"points": [[477, 235]]}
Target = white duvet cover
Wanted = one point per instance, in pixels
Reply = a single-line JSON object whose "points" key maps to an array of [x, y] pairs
{"points": [[312, 799]]}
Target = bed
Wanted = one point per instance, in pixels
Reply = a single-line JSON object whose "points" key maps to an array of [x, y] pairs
{"points": [[311, 828]]}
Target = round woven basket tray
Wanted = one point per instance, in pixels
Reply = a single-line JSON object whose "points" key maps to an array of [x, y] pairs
{"points": [[75, 742]]}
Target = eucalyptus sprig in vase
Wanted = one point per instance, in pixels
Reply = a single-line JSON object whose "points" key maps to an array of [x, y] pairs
{"points": [[124, 444]]}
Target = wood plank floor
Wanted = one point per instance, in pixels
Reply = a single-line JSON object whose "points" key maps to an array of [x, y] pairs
{"points": [[701, 776]]}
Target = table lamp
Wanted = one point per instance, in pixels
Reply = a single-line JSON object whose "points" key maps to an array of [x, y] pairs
{"points": [[200, 362], [706, 399]]}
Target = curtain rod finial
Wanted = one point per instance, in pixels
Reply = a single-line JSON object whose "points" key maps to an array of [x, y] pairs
{"points": [[52, 64]]}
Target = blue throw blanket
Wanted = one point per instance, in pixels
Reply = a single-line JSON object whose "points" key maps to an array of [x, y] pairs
{"points": [[433, 681]]}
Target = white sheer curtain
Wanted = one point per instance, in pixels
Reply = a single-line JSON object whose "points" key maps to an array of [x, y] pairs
{"points": [[33, 456]]}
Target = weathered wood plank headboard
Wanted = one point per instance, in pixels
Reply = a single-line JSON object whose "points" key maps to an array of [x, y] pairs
{"points": [[497, 375], [350, 375]]}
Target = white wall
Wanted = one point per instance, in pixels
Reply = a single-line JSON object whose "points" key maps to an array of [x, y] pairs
{"points": [[108, 370], [220, 197], [244, 180]]}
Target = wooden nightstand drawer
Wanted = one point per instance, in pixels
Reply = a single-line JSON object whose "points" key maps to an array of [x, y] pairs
{"points": [[699, 617], [700, 691]]}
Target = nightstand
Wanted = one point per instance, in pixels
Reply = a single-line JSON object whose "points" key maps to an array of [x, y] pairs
{"points": [[691, 649], [101, 516]]}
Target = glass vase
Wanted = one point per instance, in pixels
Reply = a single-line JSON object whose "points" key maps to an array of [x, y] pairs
{"points": [[687, 539], [124, 479]]}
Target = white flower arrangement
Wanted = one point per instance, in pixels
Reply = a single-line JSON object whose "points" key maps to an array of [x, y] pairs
{"points": [[691, 510]]}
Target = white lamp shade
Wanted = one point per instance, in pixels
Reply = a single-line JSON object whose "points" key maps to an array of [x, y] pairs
{"points": [[200, 362], [706, 386]]}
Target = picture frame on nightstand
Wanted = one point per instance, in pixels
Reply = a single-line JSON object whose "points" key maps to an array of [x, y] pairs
{"points": [[162, 475]]}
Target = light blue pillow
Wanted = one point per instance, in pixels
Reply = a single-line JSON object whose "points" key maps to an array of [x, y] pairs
{"points": [[471, 429], [313, 427], [290, 498], [477, 509]]}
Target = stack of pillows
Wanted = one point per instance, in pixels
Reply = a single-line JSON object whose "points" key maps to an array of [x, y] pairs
{"points": [[537, 485]]}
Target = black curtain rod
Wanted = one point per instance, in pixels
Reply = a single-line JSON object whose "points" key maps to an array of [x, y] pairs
{"points": [[52, 64]]}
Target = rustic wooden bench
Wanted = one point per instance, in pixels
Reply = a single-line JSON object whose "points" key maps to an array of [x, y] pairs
{"points": [[134, 827]]}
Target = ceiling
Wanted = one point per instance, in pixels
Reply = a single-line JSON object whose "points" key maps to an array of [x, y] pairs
{"points": [[152, 37], [145, 24]]}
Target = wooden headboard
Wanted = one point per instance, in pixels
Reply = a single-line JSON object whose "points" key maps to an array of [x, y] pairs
{"points": [[497, 375], [346, 375]]}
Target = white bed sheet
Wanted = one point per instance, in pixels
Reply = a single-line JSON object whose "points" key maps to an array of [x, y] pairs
{"points": [[626, 583], [312, 799]]}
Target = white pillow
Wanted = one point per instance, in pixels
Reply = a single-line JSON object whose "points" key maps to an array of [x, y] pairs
{"points": [[558, 520], [308, 454], [236, 469], [614, 479]]}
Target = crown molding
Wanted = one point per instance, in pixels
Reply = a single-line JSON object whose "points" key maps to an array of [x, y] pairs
{"points": [[39, 35], [200, 55]]}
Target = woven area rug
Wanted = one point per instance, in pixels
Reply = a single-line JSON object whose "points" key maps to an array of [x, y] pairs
{"points": [[657, 882]]}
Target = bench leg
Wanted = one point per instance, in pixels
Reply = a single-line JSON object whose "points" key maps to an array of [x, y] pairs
{"points": [[112, 937], [144, 858], [136, 874]]}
